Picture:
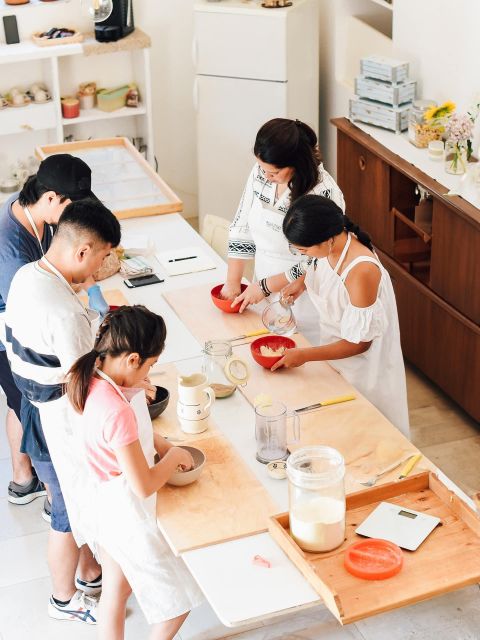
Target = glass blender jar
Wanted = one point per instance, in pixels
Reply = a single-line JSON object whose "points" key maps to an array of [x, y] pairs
{"points": [[316, 498]]}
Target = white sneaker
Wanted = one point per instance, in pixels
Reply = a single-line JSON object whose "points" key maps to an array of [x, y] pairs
{"points": [[81, 608], [90, 587]]}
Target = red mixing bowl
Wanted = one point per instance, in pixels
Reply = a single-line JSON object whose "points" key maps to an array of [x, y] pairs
{"points": [[274, 342], [224, 305]]}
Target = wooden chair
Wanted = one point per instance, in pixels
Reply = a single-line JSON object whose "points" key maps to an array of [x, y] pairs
{"points": [[215, 231]]}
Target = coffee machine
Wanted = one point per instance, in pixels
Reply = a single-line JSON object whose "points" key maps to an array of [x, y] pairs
{"points": [[118, 24]]}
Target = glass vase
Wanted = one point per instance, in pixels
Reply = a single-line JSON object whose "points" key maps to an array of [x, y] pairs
{"points": [[456, 156]]}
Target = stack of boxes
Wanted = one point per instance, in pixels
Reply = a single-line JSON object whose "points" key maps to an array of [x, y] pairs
{"points": [[384, 93]]}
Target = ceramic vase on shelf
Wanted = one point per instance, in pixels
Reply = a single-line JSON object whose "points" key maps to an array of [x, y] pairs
{"points": [[456, 156]]}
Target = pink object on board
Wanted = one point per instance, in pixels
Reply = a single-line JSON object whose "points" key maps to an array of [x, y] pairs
{"points": [[261, 562]]}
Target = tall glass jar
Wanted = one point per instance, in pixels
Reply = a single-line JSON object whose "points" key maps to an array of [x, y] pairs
{"points": [[224, 371], [317, 498], [419, 131]]}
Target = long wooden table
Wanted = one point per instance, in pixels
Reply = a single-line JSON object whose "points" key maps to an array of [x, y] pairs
{"points": [[240, 592]]}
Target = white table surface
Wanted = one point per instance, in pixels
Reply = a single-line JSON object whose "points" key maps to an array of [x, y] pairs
{"points": [[239, 592]]}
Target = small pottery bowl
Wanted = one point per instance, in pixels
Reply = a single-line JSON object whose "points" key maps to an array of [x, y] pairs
{"points": [[160, 403], [224, 305], [277, 469], [274, 342], [182, 478]]}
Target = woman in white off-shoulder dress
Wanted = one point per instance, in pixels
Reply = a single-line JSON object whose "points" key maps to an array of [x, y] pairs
{"points": [[354, 297]]}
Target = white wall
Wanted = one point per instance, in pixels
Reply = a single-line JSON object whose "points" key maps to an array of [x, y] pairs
{"points": [[170, 25]]}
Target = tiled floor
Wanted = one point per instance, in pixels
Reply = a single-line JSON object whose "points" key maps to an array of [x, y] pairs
{"points": [[439, 428]]}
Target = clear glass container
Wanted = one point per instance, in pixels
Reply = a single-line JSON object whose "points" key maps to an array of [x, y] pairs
{"points": [[224, 371], [271, 431], [278, 317], [316, 498], [456, 157], [419, 132]]}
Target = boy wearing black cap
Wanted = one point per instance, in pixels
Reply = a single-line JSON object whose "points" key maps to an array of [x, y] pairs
{"points": [[25, 220]]}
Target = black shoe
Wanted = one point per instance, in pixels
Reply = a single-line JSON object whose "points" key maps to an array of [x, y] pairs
{"points": [[25, 493], [47, 510]]}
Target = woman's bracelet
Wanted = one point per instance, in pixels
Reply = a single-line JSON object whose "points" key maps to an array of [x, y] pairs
{"points": [[263, 286]]}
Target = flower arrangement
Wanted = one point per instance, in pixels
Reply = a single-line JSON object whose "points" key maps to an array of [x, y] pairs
{"points": [[459, 133], [438, 115]]}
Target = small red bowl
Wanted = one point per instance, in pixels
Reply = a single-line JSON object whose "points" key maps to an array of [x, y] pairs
{"points": [[274, 342], [113, 307], [224, 305]]}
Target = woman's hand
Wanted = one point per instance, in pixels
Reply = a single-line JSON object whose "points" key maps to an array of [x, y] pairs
{"points": [[252, 295], [293, 290], [231, 290], [292, 358]]}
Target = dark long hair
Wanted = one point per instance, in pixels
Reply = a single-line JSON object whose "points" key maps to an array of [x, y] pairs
{"points": [[124, 330], [312, 219], [290, 143]]}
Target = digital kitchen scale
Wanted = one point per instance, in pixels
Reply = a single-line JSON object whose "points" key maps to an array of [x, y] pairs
{"points": [[405, 527]]}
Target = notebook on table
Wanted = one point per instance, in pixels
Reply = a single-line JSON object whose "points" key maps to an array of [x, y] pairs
{"points": [[186, 260]]}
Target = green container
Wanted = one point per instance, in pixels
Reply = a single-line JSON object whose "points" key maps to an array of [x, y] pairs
{"points": [[112, 99]]}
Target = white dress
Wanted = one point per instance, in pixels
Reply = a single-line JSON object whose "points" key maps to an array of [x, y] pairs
{"points": [[256, 232], [379, 372]]}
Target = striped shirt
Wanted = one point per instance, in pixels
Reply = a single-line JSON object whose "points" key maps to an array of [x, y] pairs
{"points": [[46, 332], [241, 243]]}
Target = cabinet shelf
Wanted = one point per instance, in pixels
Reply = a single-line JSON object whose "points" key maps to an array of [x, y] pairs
{"points": [[91, 115]]}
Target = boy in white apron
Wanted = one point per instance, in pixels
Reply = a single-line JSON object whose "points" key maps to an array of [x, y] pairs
{"points": [[353, 295], [119, 448], [288, 166]]}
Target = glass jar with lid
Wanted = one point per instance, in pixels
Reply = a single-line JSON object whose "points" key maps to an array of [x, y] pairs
{"points": [[224, 371], [316, 498], [421, 132]]}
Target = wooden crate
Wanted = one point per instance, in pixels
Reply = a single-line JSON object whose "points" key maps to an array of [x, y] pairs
{"points": [[121, 177], [447, 560]]}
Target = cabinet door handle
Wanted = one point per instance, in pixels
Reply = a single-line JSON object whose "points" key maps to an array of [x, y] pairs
{"points": [[362, 163], [27, 127]]}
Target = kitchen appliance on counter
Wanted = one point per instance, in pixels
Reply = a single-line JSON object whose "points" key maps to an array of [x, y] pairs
{"points": [[118, 24]]}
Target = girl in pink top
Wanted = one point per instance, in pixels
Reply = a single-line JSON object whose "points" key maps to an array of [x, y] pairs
{"points": [[120, 446]]}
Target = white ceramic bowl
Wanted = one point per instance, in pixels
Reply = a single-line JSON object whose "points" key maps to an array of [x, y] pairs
{"points": [[182, 478]]}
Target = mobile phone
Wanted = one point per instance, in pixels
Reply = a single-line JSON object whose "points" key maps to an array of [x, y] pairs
{"points": [[142, 281], [11, 29]]}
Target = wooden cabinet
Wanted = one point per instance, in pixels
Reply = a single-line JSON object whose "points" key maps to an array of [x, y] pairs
{"points": [[435, 269], [364, 180]]}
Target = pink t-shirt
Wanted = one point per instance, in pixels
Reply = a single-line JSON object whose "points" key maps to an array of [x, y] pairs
{"points": [[109, 424]]}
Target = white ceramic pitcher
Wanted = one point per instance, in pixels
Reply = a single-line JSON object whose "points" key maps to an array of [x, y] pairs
{"points": [[195, 398]]}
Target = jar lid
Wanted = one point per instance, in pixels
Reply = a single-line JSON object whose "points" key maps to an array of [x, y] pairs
{"points": [[373, 559], [423, 105], [237, 371]]}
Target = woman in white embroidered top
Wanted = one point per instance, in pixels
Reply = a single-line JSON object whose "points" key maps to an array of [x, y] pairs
{"points": [[288, 166], [354, 297]]}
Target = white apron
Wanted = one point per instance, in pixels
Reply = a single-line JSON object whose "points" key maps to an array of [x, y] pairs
{"points": [[127, 529], [379, 373], [272, 256], [67, 459]]}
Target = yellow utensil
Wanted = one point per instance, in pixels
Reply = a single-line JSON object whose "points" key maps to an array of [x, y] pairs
{"points": [[251, 334], [326, 403], [409, 466]]}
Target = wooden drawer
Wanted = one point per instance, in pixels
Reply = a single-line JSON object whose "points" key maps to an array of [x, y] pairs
{"points": [[437, 339], [365, 181], [455, 261], [33, 117]]}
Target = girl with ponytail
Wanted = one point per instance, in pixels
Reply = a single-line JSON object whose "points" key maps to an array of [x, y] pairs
{"points": [[354, 300], [104, 386], [288, 165]]}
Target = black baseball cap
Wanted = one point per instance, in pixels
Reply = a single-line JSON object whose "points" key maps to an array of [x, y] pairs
{"points": [[66, 175]]}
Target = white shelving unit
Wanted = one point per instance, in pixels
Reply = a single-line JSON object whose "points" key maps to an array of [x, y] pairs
{"points": [[62, 68]]}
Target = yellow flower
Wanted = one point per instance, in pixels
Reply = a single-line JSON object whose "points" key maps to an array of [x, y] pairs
{"points": [[442, 111]]}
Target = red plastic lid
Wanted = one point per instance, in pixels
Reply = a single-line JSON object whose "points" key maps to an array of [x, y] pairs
{"points": [[373, 559]]}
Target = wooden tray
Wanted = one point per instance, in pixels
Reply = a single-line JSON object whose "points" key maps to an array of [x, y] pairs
{"points": [[121, 177], [196, 310], [448, 559]]}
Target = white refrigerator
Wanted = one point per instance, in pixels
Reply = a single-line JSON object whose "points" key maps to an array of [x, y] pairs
{"points": [[252, 64]]}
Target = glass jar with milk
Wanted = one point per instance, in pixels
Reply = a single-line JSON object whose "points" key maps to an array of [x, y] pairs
{"points": [[317, 498]]}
